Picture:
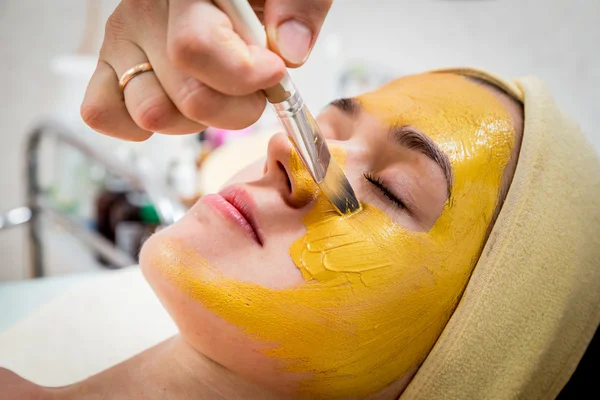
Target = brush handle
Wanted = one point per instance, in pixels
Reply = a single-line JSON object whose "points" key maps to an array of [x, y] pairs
{"points": [[287, 103], [299, 124], [304, 133], [248, 27]]}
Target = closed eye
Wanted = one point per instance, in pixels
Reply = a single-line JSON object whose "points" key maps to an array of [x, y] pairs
{"points": [[378, 183]]}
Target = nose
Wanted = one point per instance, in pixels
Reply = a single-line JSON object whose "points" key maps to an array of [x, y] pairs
{"points": [[286, 171]]}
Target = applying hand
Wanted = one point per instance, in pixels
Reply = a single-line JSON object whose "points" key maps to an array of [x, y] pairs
{"points": [[202, 74]]}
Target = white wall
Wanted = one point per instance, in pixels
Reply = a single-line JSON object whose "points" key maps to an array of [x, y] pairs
{"points": [[31, 33], [554, 39]]}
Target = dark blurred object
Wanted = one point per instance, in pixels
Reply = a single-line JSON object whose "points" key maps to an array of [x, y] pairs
{"points": [[114, 192], [124, 217], [584, 382]]}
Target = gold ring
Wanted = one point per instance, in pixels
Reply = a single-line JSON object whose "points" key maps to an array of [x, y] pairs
{"points": [[133, 72]]}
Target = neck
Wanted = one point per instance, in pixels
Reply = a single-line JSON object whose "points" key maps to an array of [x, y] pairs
{"points": [[174, 369], [171, 369]]}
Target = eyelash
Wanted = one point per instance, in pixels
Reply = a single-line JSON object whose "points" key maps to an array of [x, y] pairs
{"points": [[378, 183]]}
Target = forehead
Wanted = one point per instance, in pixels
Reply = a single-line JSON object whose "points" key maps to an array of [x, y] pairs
{"points": [[463, 118], [433, 103]]}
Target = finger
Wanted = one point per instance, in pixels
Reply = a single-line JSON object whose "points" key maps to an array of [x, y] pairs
{"points": [[145, 99], [198, 102], [194, 99], [293, 27], [103, 108], [202, 42]]}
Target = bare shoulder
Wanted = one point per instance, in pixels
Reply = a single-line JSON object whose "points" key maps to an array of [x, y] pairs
{"points": [[12, 386]]}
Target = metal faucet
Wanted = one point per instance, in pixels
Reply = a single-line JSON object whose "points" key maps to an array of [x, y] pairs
{"points": [[169, 207]]}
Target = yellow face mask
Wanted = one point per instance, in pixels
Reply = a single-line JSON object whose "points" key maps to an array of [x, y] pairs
{"points": [[376, 296]]}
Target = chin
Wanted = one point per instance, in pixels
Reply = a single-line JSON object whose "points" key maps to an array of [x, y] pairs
{"points": [[206, 332]]}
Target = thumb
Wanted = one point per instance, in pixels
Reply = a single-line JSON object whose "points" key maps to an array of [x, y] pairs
{"points": [[293, 26]]}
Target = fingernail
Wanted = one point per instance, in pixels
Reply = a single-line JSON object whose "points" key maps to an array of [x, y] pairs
{"points": [[293, 40]]}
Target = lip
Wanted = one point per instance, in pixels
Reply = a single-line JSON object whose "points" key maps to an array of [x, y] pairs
{"points": [[236, 205]]}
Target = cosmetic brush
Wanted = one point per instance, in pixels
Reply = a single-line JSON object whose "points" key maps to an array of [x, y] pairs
{"points": [[299, 124]]}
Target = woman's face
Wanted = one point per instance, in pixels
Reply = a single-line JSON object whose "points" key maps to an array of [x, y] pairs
{"points": [[267, 280]]}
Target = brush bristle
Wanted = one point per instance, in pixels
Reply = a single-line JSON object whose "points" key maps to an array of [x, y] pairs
{"points": [[337, 189]]}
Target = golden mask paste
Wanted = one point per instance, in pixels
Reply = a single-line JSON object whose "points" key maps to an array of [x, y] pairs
{"points": [[376, 296]]}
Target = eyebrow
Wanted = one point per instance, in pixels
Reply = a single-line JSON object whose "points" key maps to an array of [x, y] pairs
{"points": [[408, 138]]}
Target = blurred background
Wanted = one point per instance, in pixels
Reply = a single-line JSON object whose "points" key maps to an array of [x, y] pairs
{"points": [[101, 197]]}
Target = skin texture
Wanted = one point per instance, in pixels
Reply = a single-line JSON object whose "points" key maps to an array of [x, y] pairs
{"points": [[204, 74], [342, 307]]}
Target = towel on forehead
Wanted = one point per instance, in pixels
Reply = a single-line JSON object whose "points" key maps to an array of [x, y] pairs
{"points": [[532, 304]]}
